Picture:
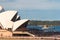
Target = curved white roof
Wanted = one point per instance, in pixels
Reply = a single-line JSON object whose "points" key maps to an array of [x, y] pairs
{"points": [[17, 17], [8, 15], [19, 23], [1, 9], [9, 24], [1, 25], [6, 24]]}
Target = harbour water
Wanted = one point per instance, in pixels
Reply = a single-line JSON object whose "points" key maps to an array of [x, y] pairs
{"points": [[50, 29]]}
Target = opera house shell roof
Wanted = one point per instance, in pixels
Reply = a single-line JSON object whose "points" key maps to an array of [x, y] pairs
{"points": [[10, 19]]}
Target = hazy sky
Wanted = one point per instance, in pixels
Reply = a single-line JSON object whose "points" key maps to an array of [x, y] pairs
{"points": [[34, 9], [32, 4]]}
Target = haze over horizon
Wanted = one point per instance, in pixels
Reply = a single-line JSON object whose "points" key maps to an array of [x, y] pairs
{"points": [[34, 9]]}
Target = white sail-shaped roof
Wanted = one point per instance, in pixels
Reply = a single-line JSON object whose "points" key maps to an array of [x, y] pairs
{"points": [[8, 15], [6, 23], [18, 24], [1, 26], [18, 17], [1, 9], [10, 19]]}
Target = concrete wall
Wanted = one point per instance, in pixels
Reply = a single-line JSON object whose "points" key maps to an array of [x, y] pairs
{"points": [[5, 33]]}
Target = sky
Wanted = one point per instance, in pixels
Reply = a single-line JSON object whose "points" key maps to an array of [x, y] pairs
{"points": [[34, 9]]}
